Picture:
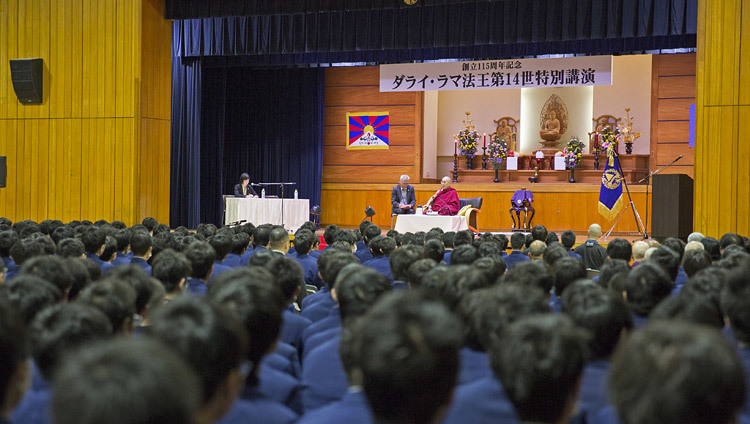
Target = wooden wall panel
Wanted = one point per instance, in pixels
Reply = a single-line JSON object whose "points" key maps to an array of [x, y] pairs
{"points": [[673, 91], [355, 89], [76, 156]]}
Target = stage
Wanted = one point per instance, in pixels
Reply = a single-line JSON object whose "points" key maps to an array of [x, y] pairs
{"points": [[559, 205]]}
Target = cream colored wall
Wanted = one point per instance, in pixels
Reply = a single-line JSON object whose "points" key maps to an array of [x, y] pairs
{"points": [[430, 134], [578, 101], [631, 76]]}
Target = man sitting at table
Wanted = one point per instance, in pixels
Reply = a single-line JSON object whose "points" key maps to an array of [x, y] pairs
{"points": [[244, 189], [402, 197], [445, 200]]}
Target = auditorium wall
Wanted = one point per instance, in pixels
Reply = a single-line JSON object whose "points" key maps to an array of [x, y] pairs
{"points": [[98, 146]]}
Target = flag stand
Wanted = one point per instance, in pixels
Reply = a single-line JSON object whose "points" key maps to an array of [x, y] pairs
{"points": [[638, 222]]}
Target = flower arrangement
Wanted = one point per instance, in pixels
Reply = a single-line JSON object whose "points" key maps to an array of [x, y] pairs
{"points": [[610, 138], [498, 151], [573, 152], [467, 142]]}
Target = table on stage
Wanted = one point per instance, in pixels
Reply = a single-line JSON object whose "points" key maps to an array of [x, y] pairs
{"points": [[416, 223], [267, 211]]}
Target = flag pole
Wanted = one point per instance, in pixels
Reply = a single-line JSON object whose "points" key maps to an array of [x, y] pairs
{"points": [[638, 222]]}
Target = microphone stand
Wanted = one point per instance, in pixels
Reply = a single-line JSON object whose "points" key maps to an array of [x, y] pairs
{"points": [[647, 178], [637, 217]]}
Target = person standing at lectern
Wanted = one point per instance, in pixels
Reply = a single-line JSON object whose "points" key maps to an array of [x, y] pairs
{"points": [[244, 189], [402, 197], [445, 200]]}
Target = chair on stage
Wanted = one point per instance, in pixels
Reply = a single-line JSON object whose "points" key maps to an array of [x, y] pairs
{"points": [[474, 205], [521, 202]]}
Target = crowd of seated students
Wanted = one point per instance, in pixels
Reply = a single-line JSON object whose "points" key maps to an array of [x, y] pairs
{"points": [[100, 322]]}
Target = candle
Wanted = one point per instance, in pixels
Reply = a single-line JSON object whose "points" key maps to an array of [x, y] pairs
{"points": [[485, 140], [455, 146]]}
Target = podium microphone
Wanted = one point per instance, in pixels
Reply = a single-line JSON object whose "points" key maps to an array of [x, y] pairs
{"points": [[678, 158]]}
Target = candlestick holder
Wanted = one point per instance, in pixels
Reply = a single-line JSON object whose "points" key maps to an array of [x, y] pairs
{"points": [[484, 158], [455, 168], [596, 158]]}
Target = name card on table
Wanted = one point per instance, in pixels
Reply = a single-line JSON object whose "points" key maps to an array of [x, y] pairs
{"points": [[559, 163], [539, 154], [511, 164]]}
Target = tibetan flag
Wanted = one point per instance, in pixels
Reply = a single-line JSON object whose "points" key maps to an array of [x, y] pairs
{"points": [[367, 130], [610, 194]]}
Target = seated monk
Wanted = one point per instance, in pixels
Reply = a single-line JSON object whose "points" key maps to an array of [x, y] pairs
{"points": [[445, 200], [551, 131]]}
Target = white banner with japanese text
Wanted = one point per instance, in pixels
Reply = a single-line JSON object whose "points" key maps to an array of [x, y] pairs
{"points": [[515, 73]]}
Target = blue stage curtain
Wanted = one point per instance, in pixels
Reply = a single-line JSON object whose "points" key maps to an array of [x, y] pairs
{"points": [[229, 120], [434, 30]]}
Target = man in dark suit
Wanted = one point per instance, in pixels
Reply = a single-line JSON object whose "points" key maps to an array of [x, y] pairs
{"points": [[402, 196], [244, 189]]}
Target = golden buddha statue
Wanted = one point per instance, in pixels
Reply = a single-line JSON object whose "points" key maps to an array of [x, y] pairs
{"points": [[551, 130]]}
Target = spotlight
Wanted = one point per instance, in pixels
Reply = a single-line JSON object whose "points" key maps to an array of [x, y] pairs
{"points": [[315, 211], [369, 212]]}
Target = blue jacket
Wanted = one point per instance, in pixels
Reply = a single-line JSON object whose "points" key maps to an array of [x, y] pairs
{"points": [[475, 365], [333, 320], [141, 263], [315, 297], [323, 375], [309, 269], [35, 407], [249, 253], [232, 260], [104, 266], [320, 309], [481, 402], [277, 386], [381, 264], [196, 286], [292, 327], [515, 257], [352, 408], [593, 396], [244, 411]]}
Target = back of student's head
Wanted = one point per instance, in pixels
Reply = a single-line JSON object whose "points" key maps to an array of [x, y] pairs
{"points": [[222, 245], [116, 299], [136, 278], [433, 249], [418, 270], [358, 288], [712, 246], [288, 275], [170, 267], [30, 294], [239, 242], [610, 269], [646, 286], [303, 241], [332, 264], [689, 306], [93, 239], [729, 239], [464, 254], [330, 232], [51, 269], [567, 270], [530, 273], [735, 301], [13, 354], [517, 241], [278, 237], [401, 258], [205, 336], [488, 312], [257, 304], [539, 363], [7, 239], [695, 260], [463, 237], [673, 372], [70, 248], [126, 382], [493, 267], [61, 329], [539, 232], [448, 238], [406, 344], [552, 253], [603, 315], [620, 249], [668, 259], [201, 256], [140, 242], [25, 249]]}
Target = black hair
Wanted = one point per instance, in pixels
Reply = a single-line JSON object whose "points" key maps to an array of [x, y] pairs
{"points": [[110, 249], [303, 241], [207, 337], [553, 253], [610, 269], [239, 242], [329, 265], [30, 294], [453, 284], [566, 271], [408, 343], [136, 278], [695, 260], [278, 236], [62, 328], [539, 363], [677, 245], [7, 239], [603, 315], [261, 258], [288, 274], [201, 256], [668, 259], [62, 233], [672, 372], [170, 267], [52, 269], [371, 232], [150, 223], [552, 238], [258, 305], [620, 249], [448, 239], [463, 237], [115, 298], [140, 242], [222, 244], [539, 232], [13, 346], [418, 270], [647, 285], [125, 381], [530, 273], [568, 238], [309, 225], [330, 233], [528, 239], [25, 249], [689, 306], [260, 235], [402, 258], [729, 239], [464, 254], [81, 276], [490, 247], [517, 241], [712, 246], [357, 289], [93, 239], [244, 176], [488, 312], [492, 267], [735, 301], [70, 248]]}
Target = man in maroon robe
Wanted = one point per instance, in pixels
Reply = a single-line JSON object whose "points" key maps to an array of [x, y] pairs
{"points": [[445, 201]]}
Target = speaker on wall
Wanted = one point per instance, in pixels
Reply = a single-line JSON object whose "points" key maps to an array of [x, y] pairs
{"points": [[672, 206], [27, 76], [3, 171]]}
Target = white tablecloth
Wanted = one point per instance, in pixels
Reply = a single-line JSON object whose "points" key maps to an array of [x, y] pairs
{"points": [[416, 223], [267, 211]]}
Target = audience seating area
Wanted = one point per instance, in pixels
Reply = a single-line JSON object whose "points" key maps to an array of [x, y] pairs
{"points": [[251, 324]]}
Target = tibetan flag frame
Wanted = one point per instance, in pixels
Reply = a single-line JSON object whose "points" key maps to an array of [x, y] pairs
{"points": [[367, 130], [610, 193]]}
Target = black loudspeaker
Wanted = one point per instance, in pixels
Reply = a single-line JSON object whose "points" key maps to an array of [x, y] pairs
{"points": [[3, 171], [672, 206], [27, 77]]}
